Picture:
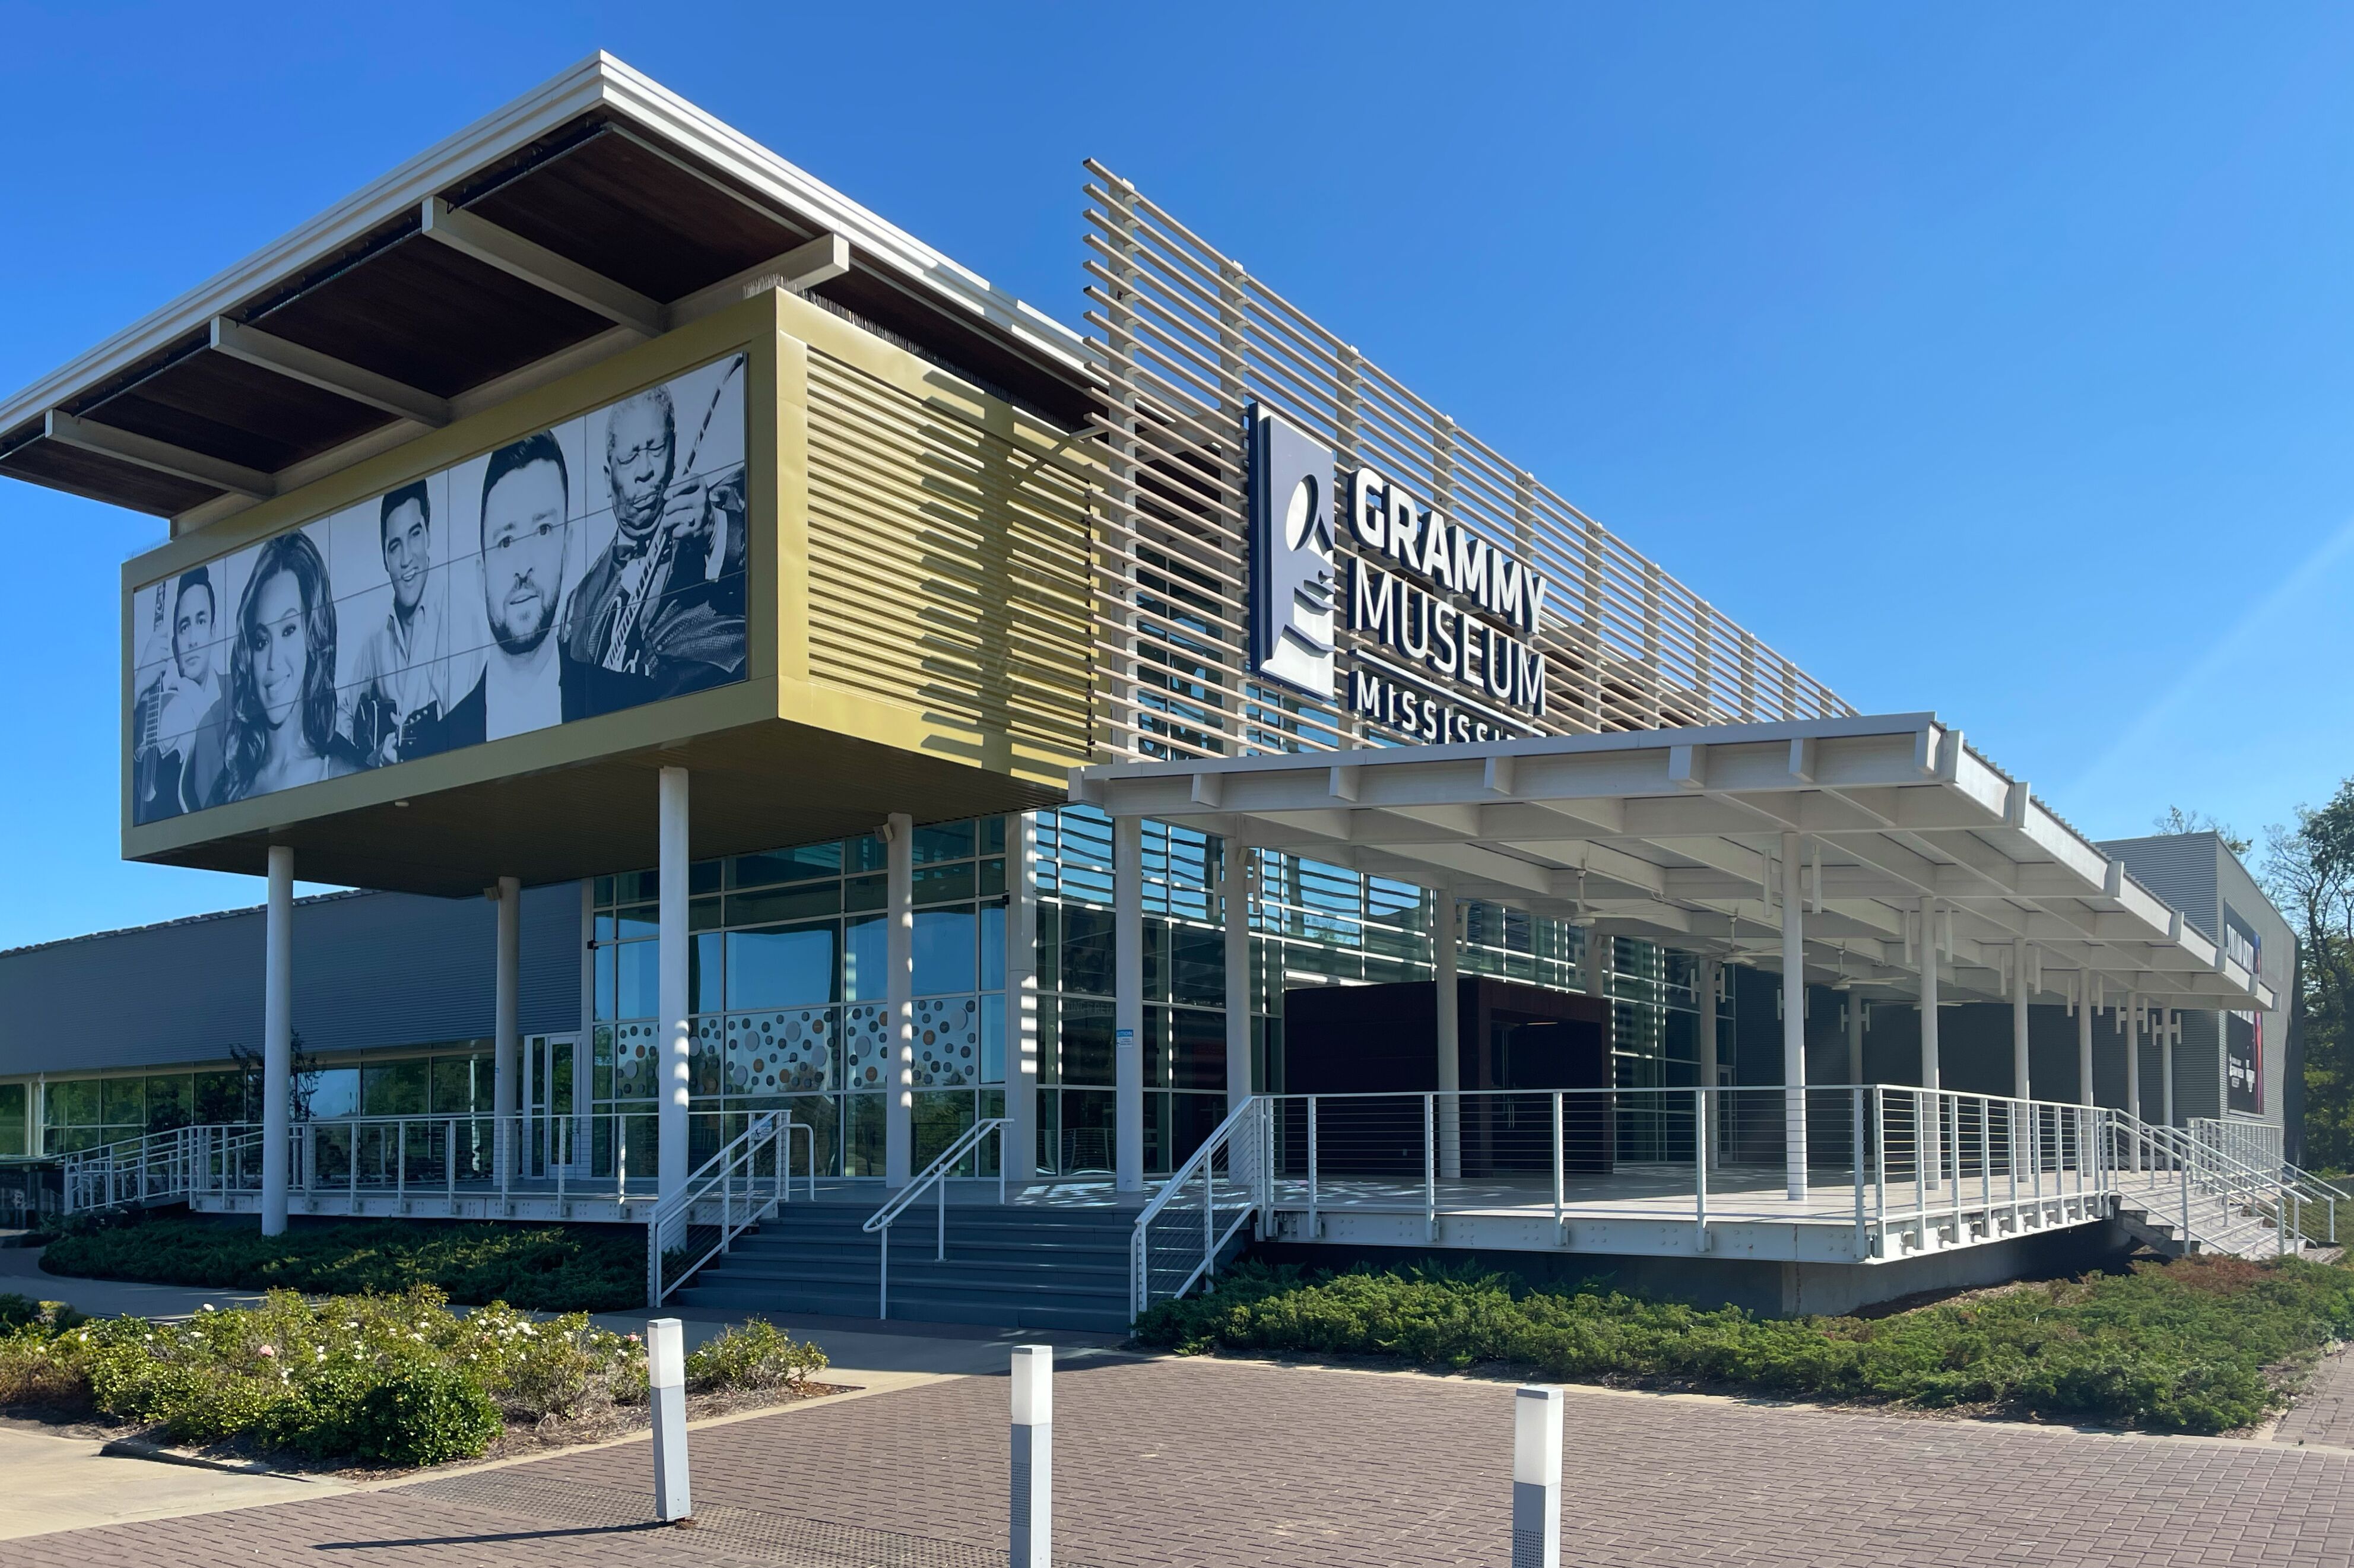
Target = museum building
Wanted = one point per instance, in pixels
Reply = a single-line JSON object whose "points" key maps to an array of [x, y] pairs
{"points": [[812, 735]]}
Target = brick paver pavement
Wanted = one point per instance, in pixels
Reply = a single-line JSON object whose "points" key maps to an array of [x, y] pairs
{"points": [[1206, 1463], [2323, 1412]]}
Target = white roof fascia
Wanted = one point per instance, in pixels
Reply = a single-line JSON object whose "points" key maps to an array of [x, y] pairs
{"points": [[599, 81]]}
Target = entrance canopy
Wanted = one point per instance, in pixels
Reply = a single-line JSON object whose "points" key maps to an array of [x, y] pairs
{"points": [[1910, 845]]}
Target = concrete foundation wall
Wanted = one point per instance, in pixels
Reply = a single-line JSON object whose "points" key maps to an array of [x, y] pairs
{"points": [[1769, 1289]]}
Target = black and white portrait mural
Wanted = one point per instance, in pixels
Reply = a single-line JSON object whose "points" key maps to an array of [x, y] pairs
{"points": [[577, 571]]}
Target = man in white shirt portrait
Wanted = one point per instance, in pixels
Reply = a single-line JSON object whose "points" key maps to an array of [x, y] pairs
{"points": [[525, 494]]}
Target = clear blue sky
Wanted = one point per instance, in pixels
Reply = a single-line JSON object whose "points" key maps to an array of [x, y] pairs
{"points": [[1995, 359]]}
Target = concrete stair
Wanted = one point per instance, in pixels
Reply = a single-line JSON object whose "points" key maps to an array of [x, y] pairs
{"points": [[2216, 1229], [1015, 1266]]}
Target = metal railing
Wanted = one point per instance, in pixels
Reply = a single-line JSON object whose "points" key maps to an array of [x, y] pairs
{"points": [[1890, 1161], [2214, 1198], [731, 1180], [1200, 1208], [934, 1177]]}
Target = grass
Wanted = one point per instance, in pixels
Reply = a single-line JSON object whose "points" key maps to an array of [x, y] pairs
{"points": [[396, 1380], [556, 1268], [2199, 1345]]}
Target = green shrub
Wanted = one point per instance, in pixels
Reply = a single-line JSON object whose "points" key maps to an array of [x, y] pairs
{"points": [[556, 1268], [2186, 1347], [757, 1355]]}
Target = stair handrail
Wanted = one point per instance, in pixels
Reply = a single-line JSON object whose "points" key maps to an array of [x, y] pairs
{"points": [[935, 1177], [151, 1167], [2231, 1181], [1245, 1128], [669, 1216]]}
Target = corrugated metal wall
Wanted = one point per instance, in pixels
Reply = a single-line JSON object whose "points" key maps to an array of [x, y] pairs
{"points": [[370, 969]]}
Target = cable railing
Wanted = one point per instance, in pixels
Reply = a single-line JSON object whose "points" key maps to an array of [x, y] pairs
{"points": [[684, 1233], [933, 1178], [1202, 1206], [2212, 1199]]}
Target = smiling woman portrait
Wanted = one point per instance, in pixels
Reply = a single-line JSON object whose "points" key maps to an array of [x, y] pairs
{"points": [[281, 687]]}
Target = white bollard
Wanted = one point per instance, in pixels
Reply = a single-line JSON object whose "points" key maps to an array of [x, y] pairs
{"points": [[1032, 1518], [1536, 1478], [666, 1373]]}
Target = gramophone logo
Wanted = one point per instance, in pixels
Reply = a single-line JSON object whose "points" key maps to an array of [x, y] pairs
{"points": [[1291, 555]]}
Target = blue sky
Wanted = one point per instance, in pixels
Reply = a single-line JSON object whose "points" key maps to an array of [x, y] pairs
{"points": [[1994, 359]]}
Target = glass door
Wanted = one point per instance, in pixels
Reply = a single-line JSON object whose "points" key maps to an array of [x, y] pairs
{"points": [[554, 1107]]}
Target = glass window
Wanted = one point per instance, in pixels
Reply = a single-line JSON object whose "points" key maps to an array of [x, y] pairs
{"points": [[641, 920], [705, 969], [942, 883], [607, 954], [1197, 965], [122, 1102], [703, 914], [462, 1084], [335, 1092], [393, 1089], [948, 841], [71, 1103], [16, 1100], [604, 892], [784, 967], [860, 894], [784, 903], [993, 835], [640, 965], [702, 876], [220, 1097], [808, 862], [992, 947], [1087, 1044], [945, 951], [170, 1101], [867, 853], [993, 878], [865, 956], [1086, 949]]}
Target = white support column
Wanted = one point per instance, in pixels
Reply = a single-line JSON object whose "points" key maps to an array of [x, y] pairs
{"points": [[277, 1035], [2019, 1076], [899, 999], [674, 1024], [1854, 1038], [1128, 1005], [506, 1031], [1449, 1043], [1794, 1024], [2131, 1018], [1929, 993], [1235, 871], [1022, 1000], [1712, 976], [2162, 1025], [2084, 1037]]}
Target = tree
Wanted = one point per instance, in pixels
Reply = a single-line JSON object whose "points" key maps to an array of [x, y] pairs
{"points": [[2175, 820], [303, 1080], [2309, 873]]}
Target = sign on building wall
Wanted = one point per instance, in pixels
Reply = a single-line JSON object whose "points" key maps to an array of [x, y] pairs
{"points": [[579, 570], [1423, 627], [2244, 1032]]}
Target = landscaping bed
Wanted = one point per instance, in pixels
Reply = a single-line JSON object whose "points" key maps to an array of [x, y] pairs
{"points": [[370, 1381], [2202, 1345], [553, 1268]]}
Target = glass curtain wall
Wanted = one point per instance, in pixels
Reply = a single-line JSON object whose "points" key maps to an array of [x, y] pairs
{"points": [[1312, 924], [785, 968]]}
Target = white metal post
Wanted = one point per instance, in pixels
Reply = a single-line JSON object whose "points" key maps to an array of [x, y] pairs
{"points": [[675, 1036], [1017, 1147], [1712, 976], [277, 1036], [2163, 1027], [2019, 1077], [1128, 1006], [507, 1014], [900, 1000], [1234, 897], [1447, 993], [1929, 1076], [1536, 1477], [666, 1374], [1854, 1021], [1031, 1521], [1430, 1169], [1703, 1153], [2084, 1038], [1794, 1024]]}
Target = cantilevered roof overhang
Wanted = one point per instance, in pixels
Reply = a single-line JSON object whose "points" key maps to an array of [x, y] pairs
{"points": [[591, 214], [1677, 836]]}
